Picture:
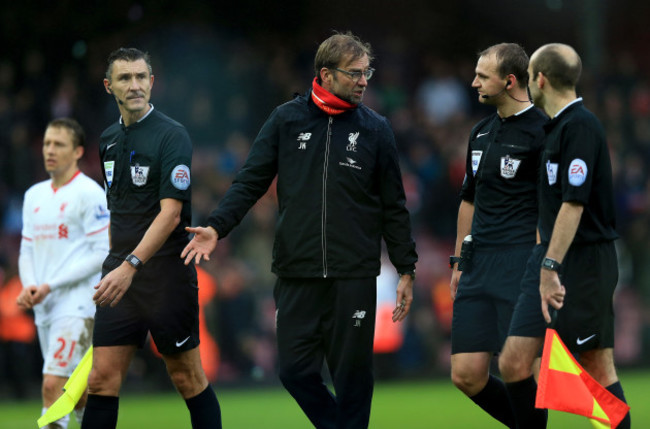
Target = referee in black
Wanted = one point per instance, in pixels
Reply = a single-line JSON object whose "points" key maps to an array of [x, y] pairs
{"points": [[574, 270], [145, 287], [499, 210]]}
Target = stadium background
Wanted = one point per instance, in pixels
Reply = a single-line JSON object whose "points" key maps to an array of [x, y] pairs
{"points": [[220, 69]]}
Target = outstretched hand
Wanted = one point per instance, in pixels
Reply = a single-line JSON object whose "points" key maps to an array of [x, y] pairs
{"points": [[201, 245]]}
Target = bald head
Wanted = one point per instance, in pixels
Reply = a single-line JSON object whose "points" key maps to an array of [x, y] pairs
{"points": [[559, 63]]}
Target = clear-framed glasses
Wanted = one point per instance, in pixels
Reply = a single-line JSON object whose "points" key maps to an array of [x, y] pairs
{"points": [[356, 75]]}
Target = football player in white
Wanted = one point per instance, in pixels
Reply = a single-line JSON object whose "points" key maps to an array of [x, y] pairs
{"points": [[64, 242]]}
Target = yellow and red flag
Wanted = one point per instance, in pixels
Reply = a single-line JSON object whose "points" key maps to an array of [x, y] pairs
{"points": [[565, 386], [73, 390]]}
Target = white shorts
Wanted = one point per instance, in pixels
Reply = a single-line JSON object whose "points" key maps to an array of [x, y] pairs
{"points": [[63, 343]]}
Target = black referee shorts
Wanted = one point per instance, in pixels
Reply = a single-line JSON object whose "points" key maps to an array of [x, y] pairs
{"points": [[486, 298], [163, 299], [586, 321]]}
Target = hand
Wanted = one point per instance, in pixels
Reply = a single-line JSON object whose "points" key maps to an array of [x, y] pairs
{"points": [[453, 286], [404, 298], [201, 245], [114, 285], [551, 292], [25, 298], [41, 292]]}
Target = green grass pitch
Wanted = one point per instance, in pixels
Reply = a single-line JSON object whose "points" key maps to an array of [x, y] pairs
{"points": [[397, 405]]}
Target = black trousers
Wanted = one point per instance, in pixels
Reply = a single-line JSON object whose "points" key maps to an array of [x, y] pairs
{"points": [[332, 321]]}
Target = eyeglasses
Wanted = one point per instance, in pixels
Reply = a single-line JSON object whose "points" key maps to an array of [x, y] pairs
{"points": [[355, 76]]}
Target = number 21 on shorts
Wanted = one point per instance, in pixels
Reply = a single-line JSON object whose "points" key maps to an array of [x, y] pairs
{"points": [[64, 352]]}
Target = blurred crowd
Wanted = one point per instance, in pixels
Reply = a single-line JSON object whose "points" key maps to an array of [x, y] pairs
{"points": [[222, 89]]}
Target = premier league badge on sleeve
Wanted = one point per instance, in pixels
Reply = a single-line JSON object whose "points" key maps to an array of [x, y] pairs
{"points": [[476, 160], [509, 167], [139, 175], [551, 172], [108, 170], [180, 177]]}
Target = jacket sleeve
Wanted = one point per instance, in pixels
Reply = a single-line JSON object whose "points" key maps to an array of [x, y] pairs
{"points": [[396, 222], [251, 182]]}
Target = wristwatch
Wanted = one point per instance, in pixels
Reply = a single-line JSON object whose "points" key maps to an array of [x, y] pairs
{"points": [[134, 261], [408, 273], [551, 265], [454, 260]]}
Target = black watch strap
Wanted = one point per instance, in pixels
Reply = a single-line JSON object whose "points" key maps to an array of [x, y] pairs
{"points": [[551, 265], [454, 260], [134, 261]]}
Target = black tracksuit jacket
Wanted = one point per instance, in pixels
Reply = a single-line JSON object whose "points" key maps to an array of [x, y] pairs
{"points": [[339, 192]]}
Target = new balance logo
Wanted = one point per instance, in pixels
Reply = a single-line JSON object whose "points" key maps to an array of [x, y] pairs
{"points": [[357, 316], [303, 138]]}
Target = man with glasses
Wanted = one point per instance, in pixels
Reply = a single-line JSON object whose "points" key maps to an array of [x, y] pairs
{"points": [[340, 192]]}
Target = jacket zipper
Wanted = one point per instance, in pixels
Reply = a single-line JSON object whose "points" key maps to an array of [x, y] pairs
{"points": [[324, 196]]}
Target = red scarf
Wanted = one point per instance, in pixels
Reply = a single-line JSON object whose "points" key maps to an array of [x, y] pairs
{"points": [[328, 102]]}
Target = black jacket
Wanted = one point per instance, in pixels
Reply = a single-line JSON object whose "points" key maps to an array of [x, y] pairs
{"points": [[339, 192]]}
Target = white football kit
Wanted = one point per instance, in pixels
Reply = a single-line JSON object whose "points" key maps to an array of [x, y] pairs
{"points": [[64, 242]]}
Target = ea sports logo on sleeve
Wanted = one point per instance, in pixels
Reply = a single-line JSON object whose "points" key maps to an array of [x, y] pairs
{"points": [[577, 172], [180, 177]]}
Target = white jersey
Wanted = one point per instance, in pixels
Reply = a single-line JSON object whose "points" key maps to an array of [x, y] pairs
{"points": [[64, 242]]}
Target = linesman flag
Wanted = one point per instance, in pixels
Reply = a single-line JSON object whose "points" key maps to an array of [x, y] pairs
{"points": [[73, 389], [565, 386]]}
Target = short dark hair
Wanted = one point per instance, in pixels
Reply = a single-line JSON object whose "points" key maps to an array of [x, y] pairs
{"points": [[511, 59], [560, 64], [336, 47], [127, 54], [78, 134]]}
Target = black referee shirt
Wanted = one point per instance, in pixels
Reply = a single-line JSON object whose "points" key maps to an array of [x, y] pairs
{"points": [[501, 177], [143, 164], [577, 168]]}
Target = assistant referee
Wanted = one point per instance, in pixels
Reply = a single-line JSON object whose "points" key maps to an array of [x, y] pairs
{"points": [[575, 268]]}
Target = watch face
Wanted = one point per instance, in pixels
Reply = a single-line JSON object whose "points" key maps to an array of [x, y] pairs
{"points": [[550, 264], [134, 261]]}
